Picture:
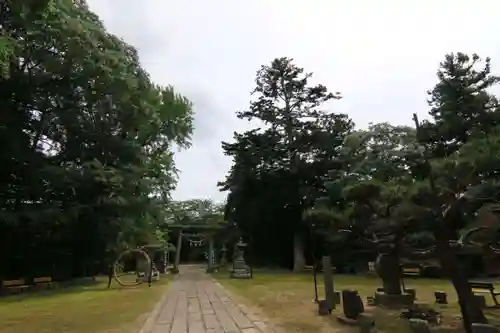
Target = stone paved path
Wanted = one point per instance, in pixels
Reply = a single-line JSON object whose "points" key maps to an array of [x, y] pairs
{"points": [[197, 304]]}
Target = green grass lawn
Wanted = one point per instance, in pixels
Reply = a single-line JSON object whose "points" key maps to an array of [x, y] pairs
{"points": [[81, 309], [288, 299]]}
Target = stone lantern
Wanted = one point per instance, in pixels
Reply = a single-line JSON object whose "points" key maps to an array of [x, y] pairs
{"points": [[240, 269]]}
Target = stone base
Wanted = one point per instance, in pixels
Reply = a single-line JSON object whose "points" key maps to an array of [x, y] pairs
{"points": [[393, 301], [484, 328], [347, 321], [211, 270], [241, 273]]}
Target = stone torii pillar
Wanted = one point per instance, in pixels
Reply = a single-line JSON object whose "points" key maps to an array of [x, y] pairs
{"points": [[210, 256], [178, 250]]}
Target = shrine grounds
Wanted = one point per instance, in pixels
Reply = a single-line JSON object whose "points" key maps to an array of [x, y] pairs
{"points": [[81, 309], [288, 299], [285, 298]]}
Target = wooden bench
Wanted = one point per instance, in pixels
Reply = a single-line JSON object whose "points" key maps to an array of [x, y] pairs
{"points": [[43, 281], [411, 271], [485, 287], [15, 285]]}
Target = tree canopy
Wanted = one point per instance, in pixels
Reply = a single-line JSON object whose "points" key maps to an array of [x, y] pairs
{"points": [[306, 167], [87, 159], [278, 167]]}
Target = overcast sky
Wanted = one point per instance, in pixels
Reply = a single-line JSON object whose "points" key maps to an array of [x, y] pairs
{"points": [[381, 55]]}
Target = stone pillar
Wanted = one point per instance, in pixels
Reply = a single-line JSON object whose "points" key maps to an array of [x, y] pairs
{"points": [[328, 282], [210, 268], [178, 250], [223, 259]]}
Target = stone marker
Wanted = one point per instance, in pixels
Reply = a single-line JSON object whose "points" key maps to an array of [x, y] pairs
{"points": [[388, 269], [480, 300], [412, 292], [387, 266], [337, 297], [323, 308], [419, 326], [352, 304], [366, 323], [484, 328], [371, 268], [441, 297], [328, 282]]}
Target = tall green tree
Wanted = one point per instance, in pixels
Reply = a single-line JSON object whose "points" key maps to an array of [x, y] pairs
{"points": [[195, 211], [462, 105], [458, 164], [437, 179], [87, 162], [289, 154], [367, 194]]}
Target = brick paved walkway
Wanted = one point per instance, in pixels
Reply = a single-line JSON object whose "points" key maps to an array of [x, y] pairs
{"points": [[197, 304]]}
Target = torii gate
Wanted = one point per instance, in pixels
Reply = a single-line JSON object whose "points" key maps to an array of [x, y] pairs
{"points": [[210, 229]]}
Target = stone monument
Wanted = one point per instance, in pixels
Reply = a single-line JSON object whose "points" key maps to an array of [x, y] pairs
{"points": [[328, 283], [353, 307], [389, 271], [240, 269], [352, 304]]}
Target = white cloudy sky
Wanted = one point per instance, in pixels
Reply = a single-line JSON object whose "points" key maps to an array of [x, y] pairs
{"points": [[382, 55]]}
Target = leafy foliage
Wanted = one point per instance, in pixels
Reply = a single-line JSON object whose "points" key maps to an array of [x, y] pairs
{"points": [[461, 105], [87, 165], [279, 166], [196, 212], [424, 185]]}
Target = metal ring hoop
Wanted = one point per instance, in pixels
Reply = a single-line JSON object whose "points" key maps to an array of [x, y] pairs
{"points": [[137, 281]]}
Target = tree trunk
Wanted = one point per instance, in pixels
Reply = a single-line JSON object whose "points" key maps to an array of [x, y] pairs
{"points": [[299, 259], [471, 312]]}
